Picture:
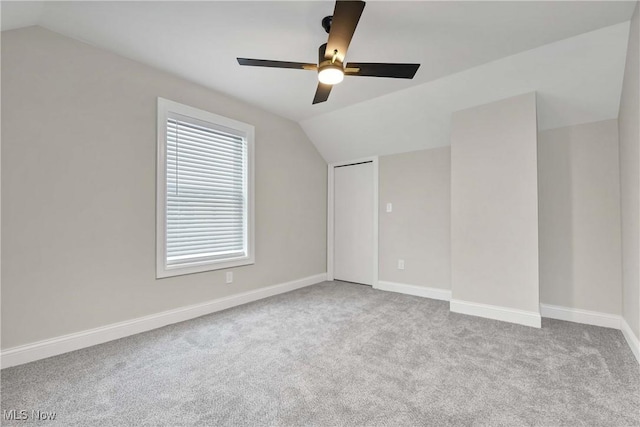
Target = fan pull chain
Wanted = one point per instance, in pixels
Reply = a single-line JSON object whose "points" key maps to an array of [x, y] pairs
{"points": [[335, 55]]}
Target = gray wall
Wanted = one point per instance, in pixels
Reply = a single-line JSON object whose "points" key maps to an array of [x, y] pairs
{"points": [[579, 186], [418, 184], [494, 204], [78, 188], [630, 180]]}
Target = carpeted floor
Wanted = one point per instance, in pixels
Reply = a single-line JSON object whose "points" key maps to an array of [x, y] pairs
{"points": [[338, 354]]}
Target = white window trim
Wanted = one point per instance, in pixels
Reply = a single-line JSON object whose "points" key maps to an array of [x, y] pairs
{"points": [[166, 106]]}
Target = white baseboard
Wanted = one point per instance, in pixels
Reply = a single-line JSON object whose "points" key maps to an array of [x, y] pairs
{"points": [[63, 344], [521, 317], [577, 315], [632, 340], [419, 291], [594, 318]]}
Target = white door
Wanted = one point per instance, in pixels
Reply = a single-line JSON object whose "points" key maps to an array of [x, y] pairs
{"points": [[353, 223]]}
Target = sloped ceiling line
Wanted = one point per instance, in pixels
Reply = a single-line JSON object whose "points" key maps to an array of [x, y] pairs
{"points": [[570, 52], [577, 80]]}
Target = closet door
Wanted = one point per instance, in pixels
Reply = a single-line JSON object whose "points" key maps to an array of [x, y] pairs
{"points": [[353, 223]]}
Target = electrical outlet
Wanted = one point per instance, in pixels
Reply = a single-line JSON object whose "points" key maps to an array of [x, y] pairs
{"points": [[400, 264], [229, 276]]}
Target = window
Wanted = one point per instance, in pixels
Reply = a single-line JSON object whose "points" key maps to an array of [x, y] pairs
{"points": [[205, 191]]}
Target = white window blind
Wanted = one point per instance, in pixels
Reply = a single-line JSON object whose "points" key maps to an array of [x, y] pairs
{"points": [[205, 192], [207, 198]]}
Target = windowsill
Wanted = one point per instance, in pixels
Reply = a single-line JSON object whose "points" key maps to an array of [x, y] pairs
{"points": [[163, 272]]}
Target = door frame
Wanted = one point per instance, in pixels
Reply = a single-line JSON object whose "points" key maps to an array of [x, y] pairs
{"points": [[330, 214]]}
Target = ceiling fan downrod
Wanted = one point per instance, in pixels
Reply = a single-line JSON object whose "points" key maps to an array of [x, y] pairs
{"points": [[331, 67]]}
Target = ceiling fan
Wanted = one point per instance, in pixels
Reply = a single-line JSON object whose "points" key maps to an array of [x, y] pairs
{"points": [[331, 69]]}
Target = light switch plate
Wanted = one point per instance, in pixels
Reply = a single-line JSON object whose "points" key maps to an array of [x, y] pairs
{"points": [[389, 207]]}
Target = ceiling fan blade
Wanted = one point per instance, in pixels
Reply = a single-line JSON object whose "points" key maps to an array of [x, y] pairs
{"points": [[276, 64], [375, 69], [343, 24], [322, 93]]}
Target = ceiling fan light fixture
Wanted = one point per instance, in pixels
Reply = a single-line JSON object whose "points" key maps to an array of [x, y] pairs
{"points": [[330, 74], [331, 55]]}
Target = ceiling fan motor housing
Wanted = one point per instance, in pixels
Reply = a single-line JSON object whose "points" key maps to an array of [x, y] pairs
{"points": [[330, 71], [331, 64]]}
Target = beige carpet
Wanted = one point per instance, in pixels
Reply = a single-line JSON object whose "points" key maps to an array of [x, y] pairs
{"points": [[339, 354]]}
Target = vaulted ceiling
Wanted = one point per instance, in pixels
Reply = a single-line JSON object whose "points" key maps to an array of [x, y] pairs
{"points": [[471, 53]]}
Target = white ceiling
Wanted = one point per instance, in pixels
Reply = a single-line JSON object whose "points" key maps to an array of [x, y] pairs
{"points": [[577, 80], [200, 41]]}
